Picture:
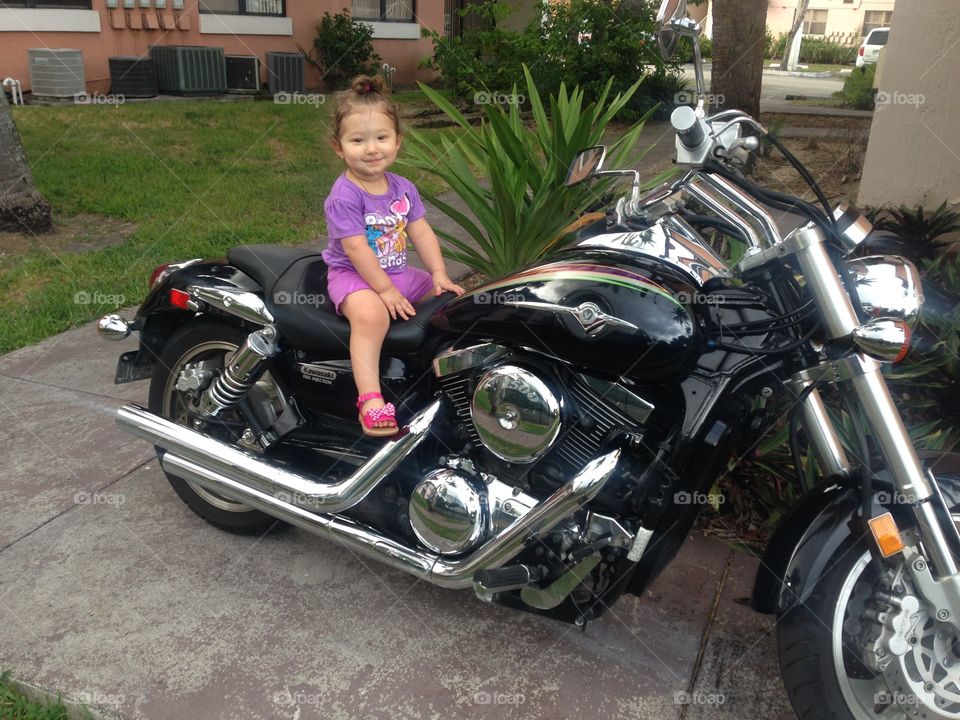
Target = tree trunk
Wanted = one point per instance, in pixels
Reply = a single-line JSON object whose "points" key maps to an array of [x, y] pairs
{"points": [[22, 208], [797, 27], [738, 28]]}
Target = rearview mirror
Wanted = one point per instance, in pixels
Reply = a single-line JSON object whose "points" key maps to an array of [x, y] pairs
{"points": [[585, 165], [670, 11]]}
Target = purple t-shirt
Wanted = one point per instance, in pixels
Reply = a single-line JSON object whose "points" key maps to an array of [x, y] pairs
{"points": [[382, 219]]}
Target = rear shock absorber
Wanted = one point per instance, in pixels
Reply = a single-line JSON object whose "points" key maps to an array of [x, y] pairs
{"points": [[240, 372]]}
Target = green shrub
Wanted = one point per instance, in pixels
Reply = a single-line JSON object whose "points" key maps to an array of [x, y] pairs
{"points": [[812, 50], [342, 49], [580, 43], [858, 91], [826, 53]]}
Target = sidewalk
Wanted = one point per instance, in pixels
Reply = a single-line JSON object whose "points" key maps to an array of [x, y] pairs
{"points": [[115, 594]]}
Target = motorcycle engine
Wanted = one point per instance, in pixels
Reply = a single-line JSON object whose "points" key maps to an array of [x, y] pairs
{"points": [[532, 423]]}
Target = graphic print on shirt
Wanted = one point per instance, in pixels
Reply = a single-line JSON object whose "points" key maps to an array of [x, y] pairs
{"points": [[387, 235]]}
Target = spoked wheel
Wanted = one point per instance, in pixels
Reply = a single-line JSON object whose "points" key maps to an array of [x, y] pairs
{"points": [[198, 350], [867, 645]]}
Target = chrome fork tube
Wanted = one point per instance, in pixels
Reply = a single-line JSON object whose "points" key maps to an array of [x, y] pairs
{"points": [[873, 395], [824, 441]]}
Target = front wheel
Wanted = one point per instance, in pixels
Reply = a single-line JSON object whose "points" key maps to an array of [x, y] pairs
{"points": [[200, 347], [835, 648]]}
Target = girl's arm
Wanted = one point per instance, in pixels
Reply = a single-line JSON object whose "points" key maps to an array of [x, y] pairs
{"points": [[366, 263], [428, 248]]}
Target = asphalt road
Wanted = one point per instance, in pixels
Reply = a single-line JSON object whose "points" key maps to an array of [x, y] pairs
{"points": [[776, 87]]}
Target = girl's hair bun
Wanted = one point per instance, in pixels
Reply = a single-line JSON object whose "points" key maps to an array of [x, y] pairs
{"points": [[367, 85]]}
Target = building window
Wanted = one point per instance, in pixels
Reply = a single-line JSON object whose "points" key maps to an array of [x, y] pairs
{"points": [[274, 8], [876, 18], [815, 22], [56, 4], [384, 10]]}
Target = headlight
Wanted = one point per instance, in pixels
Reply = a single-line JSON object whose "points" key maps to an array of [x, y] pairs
{"points": [[888, 287]]}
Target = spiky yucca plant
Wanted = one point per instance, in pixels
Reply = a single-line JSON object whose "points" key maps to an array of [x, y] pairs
{"points": [[511, 176]]}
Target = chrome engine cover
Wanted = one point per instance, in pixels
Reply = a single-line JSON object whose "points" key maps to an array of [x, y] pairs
{"points": [[454, 509], [447, 512], [516, 415]]}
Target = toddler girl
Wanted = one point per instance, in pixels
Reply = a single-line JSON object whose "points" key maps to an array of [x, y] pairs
{"points": [[370, 214]]}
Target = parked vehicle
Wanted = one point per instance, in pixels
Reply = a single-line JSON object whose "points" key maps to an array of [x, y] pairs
{"points": [[873, 43], [563, 424]]}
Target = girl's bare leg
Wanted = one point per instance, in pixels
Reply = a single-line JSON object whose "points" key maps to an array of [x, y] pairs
{"points": [[369, 322]]}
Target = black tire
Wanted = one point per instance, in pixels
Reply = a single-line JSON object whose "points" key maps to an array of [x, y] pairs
{"points": [[202, 340], [805, 638]]}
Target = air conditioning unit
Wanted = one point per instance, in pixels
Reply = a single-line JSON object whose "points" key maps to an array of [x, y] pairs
{"points": [[133, 76], [190, 69], [56, 72], [243, 73], [286, 72]]}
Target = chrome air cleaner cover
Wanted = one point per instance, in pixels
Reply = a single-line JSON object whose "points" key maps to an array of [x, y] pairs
{"points": [[516, 414]]}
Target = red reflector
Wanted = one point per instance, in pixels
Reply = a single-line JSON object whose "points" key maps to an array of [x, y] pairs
{"points": [[906, 344], [180, 299], [155, 275], [860, 51]]}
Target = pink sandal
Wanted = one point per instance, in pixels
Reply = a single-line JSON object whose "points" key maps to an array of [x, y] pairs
{"points": [[375, 415]]}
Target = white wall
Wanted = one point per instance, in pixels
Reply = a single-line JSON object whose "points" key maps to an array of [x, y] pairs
{"points": [[913, 156]]}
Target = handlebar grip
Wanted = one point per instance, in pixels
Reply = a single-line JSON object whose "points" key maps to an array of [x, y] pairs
{"points": [[688, 127]]}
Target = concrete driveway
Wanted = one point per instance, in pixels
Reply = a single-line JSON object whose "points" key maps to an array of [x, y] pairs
{"points": [[114, 594]]}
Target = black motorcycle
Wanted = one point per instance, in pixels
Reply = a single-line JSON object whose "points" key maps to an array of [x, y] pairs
{"points": [[561, 426]]}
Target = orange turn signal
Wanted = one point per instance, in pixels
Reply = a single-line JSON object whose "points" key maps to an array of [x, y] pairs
{"points": [[885, 532]]}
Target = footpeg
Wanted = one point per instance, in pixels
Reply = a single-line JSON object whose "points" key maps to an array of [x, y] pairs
{"points": [[488, 582], [550, 597]]}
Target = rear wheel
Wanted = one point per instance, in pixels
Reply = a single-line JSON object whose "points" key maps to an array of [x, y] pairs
{"points": [[200, 348], [826, 644]]}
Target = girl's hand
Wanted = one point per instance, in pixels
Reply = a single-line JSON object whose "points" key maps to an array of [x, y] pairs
{"points": [[396, 303], [442, 283]]}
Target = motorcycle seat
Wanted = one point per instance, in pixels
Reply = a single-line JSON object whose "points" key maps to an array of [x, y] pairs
{"points": [[294, 282]]}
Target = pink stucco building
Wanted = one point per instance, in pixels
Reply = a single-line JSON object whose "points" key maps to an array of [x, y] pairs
{"points": [[106, 28]]}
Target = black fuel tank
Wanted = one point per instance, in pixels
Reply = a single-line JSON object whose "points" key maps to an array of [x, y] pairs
{"points": [[595, 308]]}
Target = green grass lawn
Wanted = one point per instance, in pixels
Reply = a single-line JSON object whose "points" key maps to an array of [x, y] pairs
{"points": [[192, 178], [14, 706]]}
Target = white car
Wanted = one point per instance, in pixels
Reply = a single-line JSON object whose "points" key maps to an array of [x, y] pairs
{"points": [[869, 52]]}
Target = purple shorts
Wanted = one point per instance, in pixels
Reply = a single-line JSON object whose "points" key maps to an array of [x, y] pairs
{"points": [[413, 283]]}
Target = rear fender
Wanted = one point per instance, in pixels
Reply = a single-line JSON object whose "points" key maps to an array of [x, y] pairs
{"points": [[157, 319], [804, 545]]}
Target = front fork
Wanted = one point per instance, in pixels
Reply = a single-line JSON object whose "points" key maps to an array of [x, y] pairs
{"points": [[869, 390]]}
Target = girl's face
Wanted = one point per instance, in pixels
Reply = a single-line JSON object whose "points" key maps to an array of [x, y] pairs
{"points": [[368, 143]]}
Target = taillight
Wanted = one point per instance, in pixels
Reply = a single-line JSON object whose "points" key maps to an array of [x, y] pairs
{"points": [[860, 51], [157, 274], [180, 299]]}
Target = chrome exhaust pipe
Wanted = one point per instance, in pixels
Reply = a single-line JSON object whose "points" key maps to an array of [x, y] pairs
{"points": [[249, 469], [364, 540]]}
